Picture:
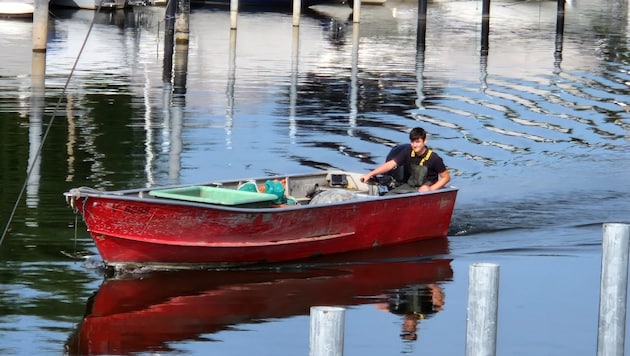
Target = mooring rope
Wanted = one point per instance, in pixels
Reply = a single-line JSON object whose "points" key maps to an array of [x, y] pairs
{"points": [[50, 124]]}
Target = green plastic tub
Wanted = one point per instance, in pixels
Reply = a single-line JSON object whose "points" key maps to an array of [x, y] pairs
{"points": [[215, 195]]}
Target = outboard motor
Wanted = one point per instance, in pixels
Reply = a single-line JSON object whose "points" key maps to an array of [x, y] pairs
{"points": [[383, 183]]}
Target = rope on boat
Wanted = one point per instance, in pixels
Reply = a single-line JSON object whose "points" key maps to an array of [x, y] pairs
{"points": [[7, 227]]}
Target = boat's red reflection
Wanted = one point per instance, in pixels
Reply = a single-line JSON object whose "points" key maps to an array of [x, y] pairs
{"points": [[147, 312]]}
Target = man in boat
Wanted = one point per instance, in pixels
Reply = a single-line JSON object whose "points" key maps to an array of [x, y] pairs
{"points": [[413, 166]]}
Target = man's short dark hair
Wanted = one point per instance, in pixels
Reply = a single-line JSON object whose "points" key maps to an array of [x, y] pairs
{"points": [[417, 133]]}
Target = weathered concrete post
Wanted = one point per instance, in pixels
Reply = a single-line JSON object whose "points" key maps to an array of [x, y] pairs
{"points": [[356, 11], [297, 9], [483, 299], [613, 291], [40, 25], [182, 22], [326, 337], [233, 14]]}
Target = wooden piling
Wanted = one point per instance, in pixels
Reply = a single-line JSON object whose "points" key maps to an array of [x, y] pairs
{"points": [[356, 11], [297, 9], [182, 22], [483, 297], [326, 337], [559, 35], [560, 18], [485, 26], [613, 290], [421, 26], [40, 25], [233, 14], [169, 38]]}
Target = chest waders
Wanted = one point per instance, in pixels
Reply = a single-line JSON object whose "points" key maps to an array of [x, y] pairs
{"points": [[418, 175]]}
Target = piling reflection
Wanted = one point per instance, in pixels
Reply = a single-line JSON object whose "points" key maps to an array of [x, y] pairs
{"points": [[35, 128], [151, 311], [414, 303]]}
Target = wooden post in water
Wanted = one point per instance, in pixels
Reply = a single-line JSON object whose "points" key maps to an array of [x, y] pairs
{"points": [[182, 22], [356, 11], [180, 57], [560, 18], [485, 26], [297, 9], [613, 291], [483, 298], [233, 14], [559, 34], [326, 337], [169, 36], [40, 25], [421, 36]]}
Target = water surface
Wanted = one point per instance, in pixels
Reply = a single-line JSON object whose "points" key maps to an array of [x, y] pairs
{"points": [[536, 135]]}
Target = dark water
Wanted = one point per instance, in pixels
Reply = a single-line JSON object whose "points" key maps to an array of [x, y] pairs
{"points": [[536, 135]]}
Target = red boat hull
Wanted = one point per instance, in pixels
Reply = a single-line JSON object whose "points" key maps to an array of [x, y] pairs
{"points": [[132, 229]]}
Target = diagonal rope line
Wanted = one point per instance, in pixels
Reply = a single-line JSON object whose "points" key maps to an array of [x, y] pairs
{"points": [[50, 124]]}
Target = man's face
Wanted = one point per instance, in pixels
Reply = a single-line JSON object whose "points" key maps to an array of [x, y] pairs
{"points": [[418, 145]]}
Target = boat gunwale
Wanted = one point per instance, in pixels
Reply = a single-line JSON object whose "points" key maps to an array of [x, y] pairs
{"points": [[138, 194], [116, 195]]}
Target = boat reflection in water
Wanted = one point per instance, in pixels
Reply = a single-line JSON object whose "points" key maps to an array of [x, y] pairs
{"points": [[149, 311]]}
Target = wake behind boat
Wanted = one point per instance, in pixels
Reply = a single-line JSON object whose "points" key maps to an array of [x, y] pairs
{"points": [[262, 220]]}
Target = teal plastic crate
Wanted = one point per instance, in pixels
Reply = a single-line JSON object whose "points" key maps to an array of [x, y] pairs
{"points": [[215, 195]]}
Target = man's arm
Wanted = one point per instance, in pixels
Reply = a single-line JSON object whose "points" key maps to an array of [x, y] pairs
{"points": [[382, 169], [443, 179]]}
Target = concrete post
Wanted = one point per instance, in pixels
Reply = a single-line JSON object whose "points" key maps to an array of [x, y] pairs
{"points": [[483, 298], [297, 9], [326, 337], [613, 292], [40, 25]]}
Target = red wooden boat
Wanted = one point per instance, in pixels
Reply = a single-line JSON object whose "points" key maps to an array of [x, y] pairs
{"points": [[235, 222], [149, 312]]}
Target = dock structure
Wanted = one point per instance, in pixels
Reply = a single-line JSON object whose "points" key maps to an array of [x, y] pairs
{"points": [[178, 11]]}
